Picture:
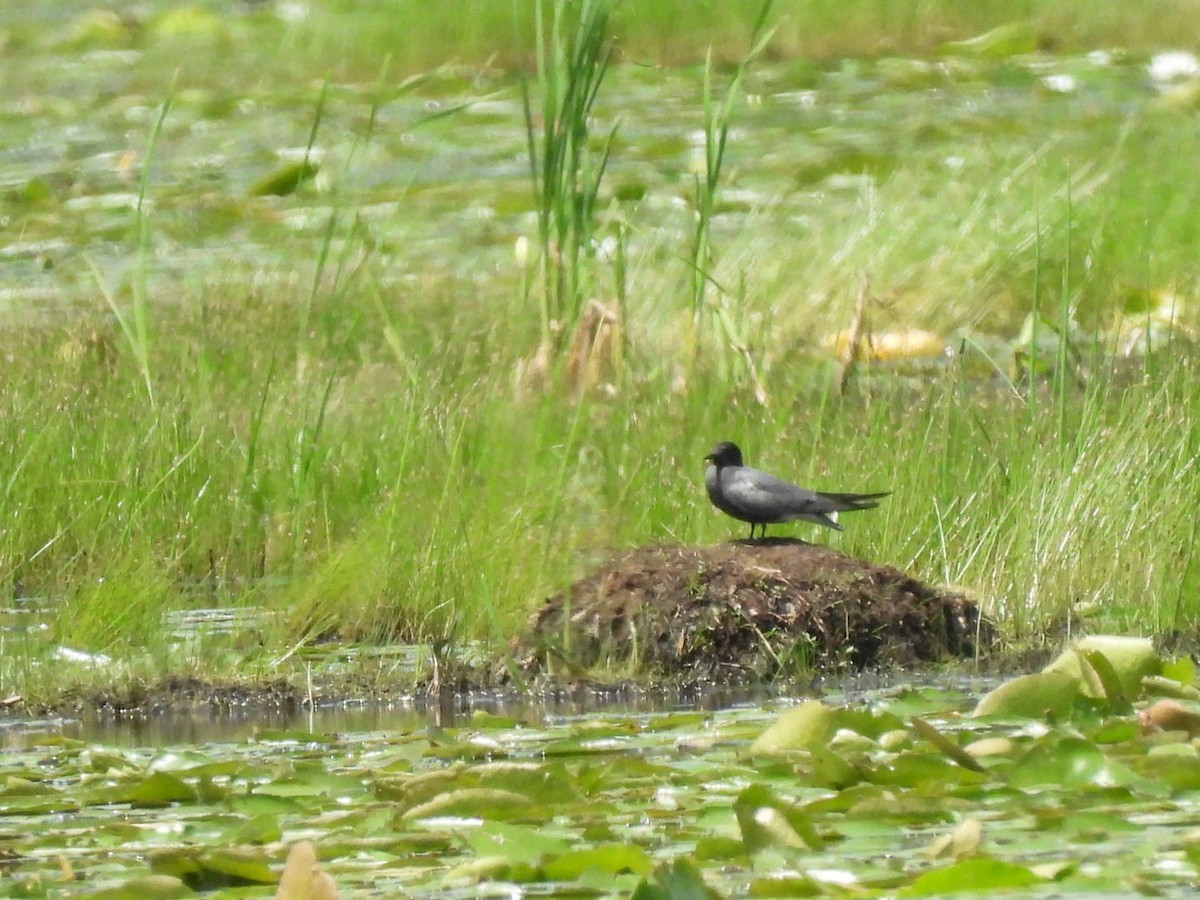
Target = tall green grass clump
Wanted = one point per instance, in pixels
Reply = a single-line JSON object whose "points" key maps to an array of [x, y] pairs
{"points": [[573, 50], [718, 113]]}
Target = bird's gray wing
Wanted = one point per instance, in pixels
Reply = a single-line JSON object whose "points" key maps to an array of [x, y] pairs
{"points": [[763, 497]]}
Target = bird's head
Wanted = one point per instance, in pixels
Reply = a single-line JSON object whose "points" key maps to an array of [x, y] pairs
{"points": [[725, 454]]}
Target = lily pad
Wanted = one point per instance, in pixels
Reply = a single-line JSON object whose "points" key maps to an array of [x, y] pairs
{"points": [[1039, 695], [284, 180], [809, 724]]}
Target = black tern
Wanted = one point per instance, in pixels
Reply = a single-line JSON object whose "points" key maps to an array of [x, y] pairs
{"points": [[762, 499]]}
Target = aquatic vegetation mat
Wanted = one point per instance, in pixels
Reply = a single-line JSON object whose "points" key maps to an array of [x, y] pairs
{"points": [[910, 792]]}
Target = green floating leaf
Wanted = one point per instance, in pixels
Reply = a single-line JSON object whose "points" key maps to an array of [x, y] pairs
{"points": [[1179, 772], [486, 721], [1131, 658], [927, 700], [612, 859], [832, 770], [235, 867], [211, 869], [178, 862], [1108, 668], [630, 191], [146, 887], [582, 746], [161, 789], [767, 826], [1068, 762], [715, 847], [490, 868], [765, 821], [278, 736], [786, 886], [618, 773], [1115, 731], [679, 880], [414, 789], [675, 721], [1089, 825], [874, 724], [315, 784], [975, 875], [806, 725], [1034, 696], [37, 805], [104, 761], [484, 803], [1181, 669], [514, 843], [24, 787], [549, 783], [208, 791], [912, 769], [262, 829], [222, 769], [284, 180], [36, 190], [260, 804], [179, 761], [1191, 850]]}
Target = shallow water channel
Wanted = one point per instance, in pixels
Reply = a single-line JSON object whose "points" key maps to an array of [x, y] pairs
{"points": [[212, 723]]}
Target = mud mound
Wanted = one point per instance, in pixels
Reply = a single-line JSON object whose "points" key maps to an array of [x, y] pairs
{"points": [[748, 610]]}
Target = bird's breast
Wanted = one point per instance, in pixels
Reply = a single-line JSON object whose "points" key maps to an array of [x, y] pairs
{"points": [[712, 481]]}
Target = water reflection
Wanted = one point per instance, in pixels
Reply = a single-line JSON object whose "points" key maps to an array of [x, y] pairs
{"points": [[198, 725]]}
